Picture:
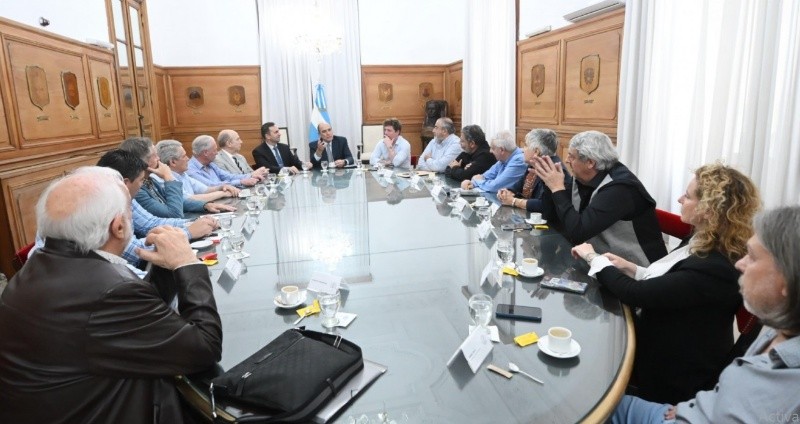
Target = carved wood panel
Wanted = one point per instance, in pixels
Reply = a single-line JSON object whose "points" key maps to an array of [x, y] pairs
{"points": [[201, 96], [5, 137], [104, 85], [400, 92], [539, 93], [592, 77], [455, 90]]}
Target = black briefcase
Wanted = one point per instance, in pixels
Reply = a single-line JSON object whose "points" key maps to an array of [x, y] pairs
{"points": [[290, 378]]}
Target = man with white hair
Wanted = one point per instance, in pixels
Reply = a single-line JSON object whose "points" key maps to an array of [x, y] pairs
{"points": [[604, 204], [228, 157], [82, 338], [762, 385], [508, 169], [443, 149], [203, 168]]}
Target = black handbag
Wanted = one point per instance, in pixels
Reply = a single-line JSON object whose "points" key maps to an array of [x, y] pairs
{"points": [[290, 378]]}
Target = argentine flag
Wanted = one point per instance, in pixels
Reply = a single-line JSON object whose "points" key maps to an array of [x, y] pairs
{"points": [[319, 112]]}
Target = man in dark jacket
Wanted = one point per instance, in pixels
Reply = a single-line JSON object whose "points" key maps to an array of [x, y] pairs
{"points": [[82, 338], [476, 158]]}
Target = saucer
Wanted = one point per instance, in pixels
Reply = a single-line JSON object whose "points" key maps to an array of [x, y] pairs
{"points": [[538, 273], [539, 222], [544, 346], [277, 301], [201, 244]]}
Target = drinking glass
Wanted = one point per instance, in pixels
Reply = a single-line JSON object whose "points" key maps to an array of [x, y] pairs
{"points": [[480, 309], [454, 194], [306, 167], [253, 205], [329, 306], [225, 223], [505, 251], [484, 212], [271, 178], [324, 166], [261, 190], [284, 172], [237, 243]]}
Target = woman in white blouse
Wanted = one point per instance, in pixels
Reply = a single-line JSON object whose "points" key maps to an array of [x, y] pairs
{"points": [[686, 301]]}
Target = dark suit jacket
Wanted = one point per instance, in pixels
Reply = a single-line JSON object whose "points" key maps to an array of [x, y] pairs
{"points": [[83, 340], [340, 151], [264, 157], [685, 329]]}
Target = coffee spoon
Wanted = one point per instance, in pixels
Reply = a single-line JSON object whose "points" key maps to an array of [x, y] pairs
{"points": [[514, 368]]}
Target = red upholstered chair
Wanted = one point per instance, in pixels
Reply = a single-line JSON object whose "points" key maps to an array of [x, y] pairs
{"points": [[21, 257]]}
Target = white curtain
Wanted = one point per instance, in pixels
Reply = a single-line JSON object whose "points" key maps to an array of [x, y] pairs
{"points": [[287, 73], [489, 88], [706, 80]]}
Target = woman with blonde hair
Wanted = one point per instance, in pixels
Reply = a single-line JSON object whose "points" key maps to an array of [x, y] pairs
{"points": [[685, 308]]}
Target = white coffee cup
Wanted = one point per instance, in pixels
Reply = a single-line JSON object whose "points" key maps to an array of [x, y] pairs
{"points": [[480, 201], [529, 265], [290, 295], [536, 217], [559, 339]]}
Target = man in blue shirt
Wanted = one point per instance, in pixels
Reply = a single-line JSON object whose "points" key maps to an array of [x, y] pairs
{"points": [[203, 168], [393, 150], [510, 166], [443, 149]]}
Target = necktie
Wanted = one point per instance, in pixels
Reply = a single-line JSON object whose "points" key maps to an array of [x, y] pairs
{"points": [[527, 187], [277, 156], [238, 164], [329, 150]]}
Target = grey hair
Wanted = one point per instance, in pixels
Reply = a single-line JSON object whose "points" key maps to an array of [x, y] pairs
{"points": [[779, 231], [169, 150], [201, 143], [139, 146], [543, 139], [447, 125], [87, 225], [224, 138], [504, 140], [596, 146]]}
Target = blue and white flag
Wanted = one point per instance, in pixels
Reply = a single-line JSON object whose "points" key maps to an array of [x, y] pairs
{"points": [[319, 112]]}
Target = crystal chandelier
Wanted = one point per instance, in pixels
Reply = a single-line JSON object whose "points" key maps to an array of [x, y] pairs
{"points": [[320, 35]]}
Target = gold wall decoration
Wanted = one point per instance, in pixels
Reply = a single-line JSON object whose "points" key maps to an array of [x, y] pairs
{"points": [[236, 95], [37, 86], [69, 81], [104, 92], [590, 73], [194, 97], [385, 92], [537, 79], [425, 91]]}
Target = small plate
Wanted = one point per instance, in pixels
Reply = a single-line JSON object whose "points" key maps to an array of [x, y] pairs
{"points": [[538, 273], [539, 222], [544, 346], [201, 244], [277, 301]]}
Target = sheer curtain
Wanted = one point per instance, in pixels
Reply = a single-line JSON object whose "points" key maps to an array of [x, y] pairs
{"points": [[704, 80], [287, 73], [490, 66]]}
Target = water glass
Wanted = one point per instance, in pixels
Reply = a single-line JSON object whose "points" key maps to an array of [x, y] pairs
{"points": [[329, 306], [271, 178], [454, 194], [324, 165], [225, 223], [306, 167], [237, 243], [480, 309], [505, 251], [484, 212], [253, 204]]}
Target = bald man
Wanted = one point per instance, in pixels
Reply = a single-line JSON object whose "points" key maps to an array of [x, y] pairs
{"points": [[100, 344], [229, 158], [330, 148]]}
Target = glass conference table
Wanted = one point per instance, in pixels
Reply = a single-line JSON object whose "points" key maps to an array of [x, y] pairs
{"points": [[411, 265]]}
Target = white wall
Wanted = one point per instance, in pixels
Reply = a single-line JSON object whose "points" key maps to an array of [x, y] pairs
{"points": [[81, 20], [535, 14], [203, 32], [401, 32]]}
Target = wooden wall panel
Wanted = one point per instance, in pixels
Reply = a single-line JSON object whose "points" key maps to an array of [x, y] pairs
{"points": [[162, 97], [5, 138], [538, 97], [454, 79], [108, 116], [599, 106], [400, 91]]}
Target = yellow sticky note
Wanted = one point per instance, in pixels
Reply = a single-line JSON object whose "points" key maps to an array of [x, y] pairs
{"points": [[510, 271], [527, 338], [310, 309], [541, 227]]}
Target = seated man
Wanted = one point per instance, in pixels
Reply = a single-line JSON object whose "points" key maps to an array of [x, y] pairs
{"points": [[99, 344], [330, 148], [203, 168], [197, 197], [527, 193], [510, 166], [762, 385], [604, 205], [162, 198], [443, 149], [476, 158], [274, 155], [393, 150], [228, 157]]}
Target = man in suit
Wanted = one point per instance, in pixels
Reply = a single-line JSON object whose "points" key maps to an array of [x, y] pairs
{"points": [[229, 157], [100, 344], [330, 148], [274, 155], [203, 168]]}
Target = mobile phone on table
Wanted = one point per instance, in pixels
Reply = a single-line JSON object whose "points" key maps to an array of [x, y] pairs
{"points": [[564, 284], [526, 313], [517, 226]]}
